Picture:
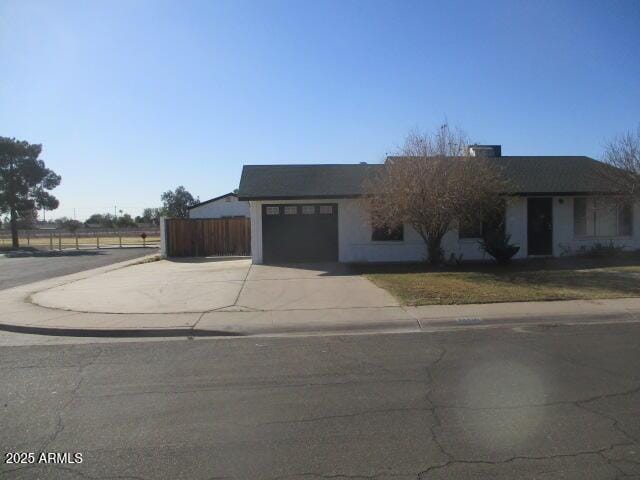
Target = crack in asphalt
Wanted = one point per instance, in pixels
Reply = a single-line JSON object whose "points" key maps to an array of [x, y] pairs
{"points": [[615, 422], [578, 403], [73, 395], [445, 465], [434, 427], [437, 420]]}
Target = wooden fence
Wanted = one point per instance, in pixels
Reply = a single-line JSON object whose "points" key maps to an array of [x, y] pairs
{"points": [[208, 236]]}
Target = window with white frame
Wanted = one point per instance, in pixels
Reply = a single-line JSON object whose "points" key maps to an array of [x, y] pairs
{"points": [[308, 209], [325, 209], [602, 217], [291, 210], [272, 210]]}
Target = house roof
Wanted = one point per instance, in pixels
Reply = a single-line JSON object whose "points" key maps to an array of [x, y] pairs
{"points": [[554, 175], [230, 194], [525, 175], [270, 182]]}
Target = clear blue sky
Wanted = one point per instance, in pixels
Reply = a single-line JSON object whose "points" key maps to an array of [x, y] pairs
{"points": [[131, 98]]}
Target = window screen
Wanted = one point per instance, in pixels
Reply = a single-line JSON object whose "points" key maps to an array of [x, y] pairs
{"points": [[601, 217]]}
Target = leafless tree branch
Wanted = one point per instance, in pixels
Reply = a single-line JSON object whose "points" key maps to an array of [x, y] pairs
{"points": [[433, 185], [623, 154]]}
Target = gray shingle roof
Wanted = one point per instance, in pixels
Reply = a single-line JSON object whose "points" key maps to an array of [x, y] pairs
{"points": [[562, 175], [303, 181], [526, 175]]}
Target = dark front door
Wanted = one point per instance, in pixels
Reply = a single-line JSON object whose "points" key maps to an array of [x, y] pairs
{"points": [[540, 226], [300, 233]]}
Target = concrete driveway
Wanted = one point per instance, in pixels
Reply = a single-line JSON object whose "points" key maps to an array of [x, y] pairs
{"points": [[193, 286]]}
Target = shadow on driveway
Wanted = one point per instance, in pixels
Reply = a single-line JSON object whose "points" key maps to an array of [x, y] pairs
{"points": [[205, 259], [323, 269]]}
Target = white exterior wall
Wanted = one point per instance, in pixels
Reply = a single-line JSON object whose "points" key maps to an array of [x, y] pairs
{"points": [[255, 214], [355, 244], [221, 208], [354, 235], [163, 238]]}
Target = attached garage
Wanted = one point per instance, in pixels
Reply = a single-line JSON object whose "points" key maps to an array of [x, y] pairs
{"points": [[300, 232]]}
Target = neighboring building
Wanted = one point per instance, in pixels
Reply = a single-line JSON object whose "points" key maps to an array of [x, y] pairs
{"points": [[314, 213], [224, 206]]}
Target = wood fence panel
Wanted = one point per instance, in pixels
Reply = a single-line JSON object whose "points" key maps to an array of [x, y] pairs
{"points": [[208, 236]]}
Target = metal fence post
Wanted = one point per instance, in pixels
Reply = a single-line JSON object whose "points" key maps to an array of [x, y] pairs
{"points": [[50, 241], [77, 247], [98, 242], [120, 240], [59, 241], [28, 239]]}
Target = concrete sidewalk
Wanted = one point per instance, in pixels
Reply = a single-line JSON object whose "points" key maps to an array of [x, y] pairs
{"points": [[233, 298]]}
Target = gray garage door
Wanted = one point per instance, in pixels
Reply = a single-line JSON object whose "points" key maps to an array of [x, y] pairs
{"points": [[300, 233]]}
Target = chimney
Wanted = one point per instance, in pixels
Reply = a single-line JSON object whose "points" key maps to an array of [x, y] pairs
{"points": [[485, 150]]}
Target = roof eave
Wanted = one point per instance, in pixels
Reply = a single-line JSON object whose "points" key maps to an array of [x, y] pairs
{"points": [[295, 197], [230, 194]]}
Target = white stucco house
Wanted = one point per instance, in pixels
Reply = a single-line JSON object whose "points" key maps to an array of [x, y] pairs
{"points": [[224, 206], [314, 212]]}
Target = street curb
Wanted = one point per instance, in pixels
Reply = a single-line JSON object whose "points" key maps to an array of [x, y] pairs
{"points": [[534, 320], [117, 333], [424, 326]]}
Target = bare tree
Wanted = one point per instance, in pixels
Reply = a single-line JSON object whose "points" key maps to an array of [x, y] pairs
{"points": [[433, 186], [623, 153]]}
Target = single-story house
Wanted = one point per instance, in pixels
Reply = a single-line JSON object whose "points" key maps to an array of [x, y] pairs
{"points": [[558, 206], [224, 206]]}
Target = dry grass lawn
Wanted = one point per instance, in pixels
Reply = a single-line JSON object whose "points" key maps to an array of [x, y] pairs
{"points": [[561, 279]]}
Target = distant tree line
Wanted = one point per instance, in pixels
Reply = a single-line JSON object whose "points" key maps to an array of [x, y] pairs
{"points": [[25, 182], [174, 204]]}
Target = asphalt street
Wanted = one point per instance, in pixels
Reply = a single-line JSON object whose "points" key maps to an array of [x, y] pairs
{"points": [[523, 402], [22, 268]]}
